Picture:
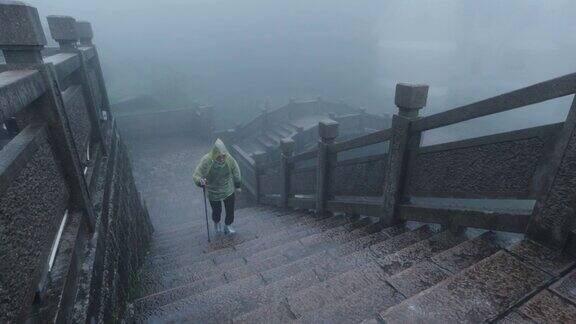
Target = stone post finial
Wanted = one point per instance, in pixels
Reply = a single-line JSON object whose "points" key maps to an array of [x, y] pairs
{"points": [[85, 34], [63, 30], [21, 34], [287, 146], [410, 98], [328, 130]]}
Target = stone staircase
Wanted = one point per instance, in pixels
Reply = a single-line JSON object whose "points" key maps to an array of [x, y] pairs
{"points": [[292, 266]]}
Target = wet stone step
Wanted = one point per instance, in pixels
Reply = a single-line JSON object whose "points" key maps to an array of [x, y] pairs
{"points": [[368, 240], [153, 282], [401, 241], [335, 288], [417, 252], [280, 268], [515, 318], [241, 219], [365, 256], [199, 267], [355, 307], [498, 282], [566, 287], [547, 307], [164, 297], [359, 278], [553, 262], [226, 302], [417, 278], [278, 313], [228, 246], [199, 235], [468, 253], [214, 300], [426, 274]]}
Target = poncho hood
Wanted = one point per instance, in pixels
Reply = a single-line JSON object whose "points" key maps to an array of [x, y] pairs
{"points": [[218, 149]]}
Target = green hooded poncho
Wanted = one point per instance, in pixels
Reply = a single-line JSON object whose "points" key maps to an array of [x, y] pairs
{"points": [[222, 178]]}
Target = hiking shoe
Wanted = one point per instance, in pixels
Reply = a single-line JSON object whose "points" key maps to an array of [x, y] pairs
{"points": [[228, 229], [218, 228]]}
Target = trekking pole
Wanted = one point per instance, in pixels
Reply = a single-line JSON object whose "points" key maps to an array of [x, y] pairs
{"points": [[206, 212]]}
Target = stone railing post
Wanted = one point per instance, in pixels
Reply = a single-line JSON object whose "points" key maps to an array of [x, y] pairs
{"points": [[21, 40], [327, 132], [259, 159], [64, 31], [85, 35], [409, 99], [553, 215], [21, 36], [286, 151]]}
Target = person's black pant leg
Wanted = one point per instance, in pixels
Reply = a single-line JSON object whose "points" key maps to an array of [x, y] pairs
{"points": [[216, 210], [229, 205]]}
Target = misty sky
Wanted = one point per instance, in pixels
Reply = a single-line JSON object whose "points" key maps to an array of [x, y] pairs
{"points": [[236, 54]]}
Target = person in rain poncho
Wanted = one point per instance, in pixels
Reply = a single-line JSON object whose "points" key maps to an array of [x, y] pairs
{"points": [[218, 172]]}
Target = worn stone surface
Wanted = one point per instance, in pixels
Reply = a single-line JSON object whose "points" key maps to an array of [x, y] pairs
{"points": [[398, 242], [328, 129], [177, 292], [355, 307], [515, 318], [18, 89], [411, 96], [566, 286], [417, 252], [84, 30], [20, 25], [553, 214], [79, 120], [546, 307], [62, 28], [466, 254], [361, 179], [335, 288], [552, 261], [273, 313], [495, 170], [476, 294], [419, 277], [32, 206]]}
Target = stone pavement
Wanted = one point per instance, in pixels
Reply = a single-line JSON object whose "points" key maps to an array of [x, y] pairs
{"points": [[293, 266]]}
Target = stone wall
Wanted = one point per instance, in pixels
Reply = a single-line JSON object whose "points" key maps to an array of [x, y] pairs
{"points": [[33, 199]]}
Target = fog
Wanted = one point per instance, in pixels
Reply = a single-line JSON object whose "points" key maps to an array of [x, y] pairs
{"points": [[237, 55]]}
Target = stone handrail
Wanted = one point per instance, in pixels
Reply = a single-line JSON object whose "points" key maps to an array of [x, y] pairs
{"points": [[65, 178], [534, 164]]}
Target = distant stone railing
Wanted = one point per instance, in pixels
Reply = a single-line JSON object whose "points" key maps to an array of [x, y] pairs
{"points": [[289, 112], [530, 164], [73, 228]]}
